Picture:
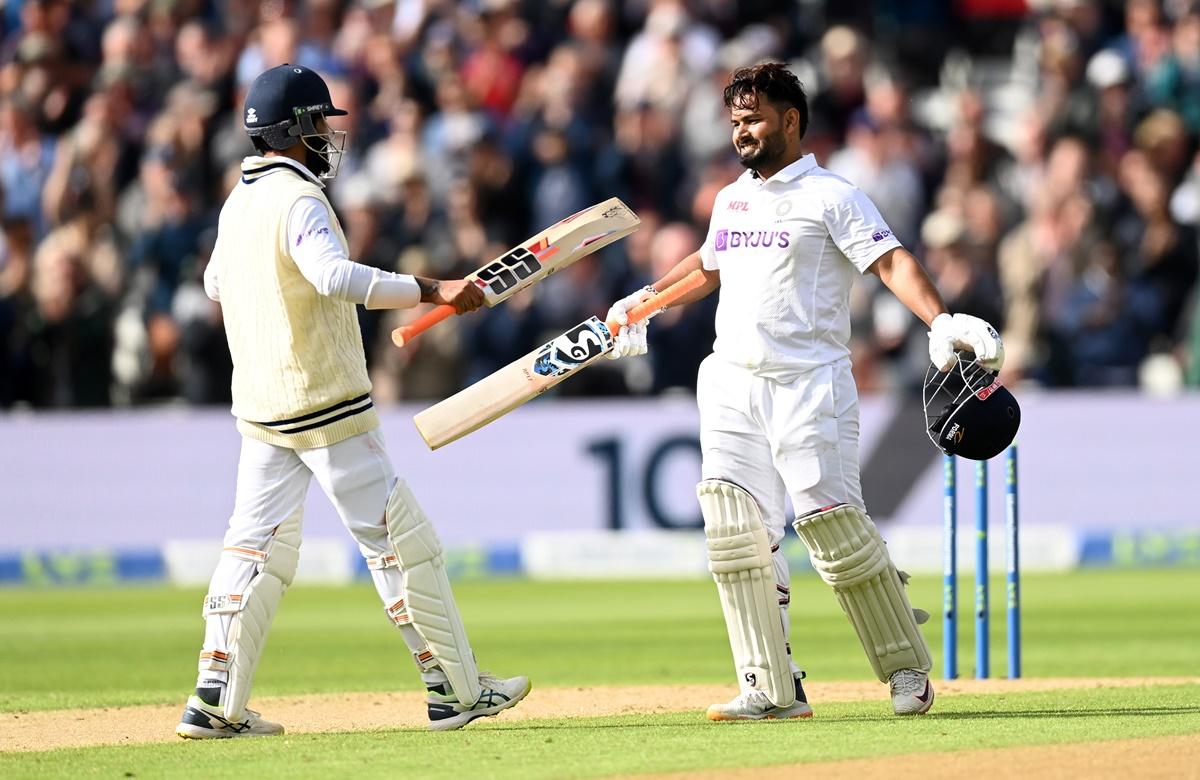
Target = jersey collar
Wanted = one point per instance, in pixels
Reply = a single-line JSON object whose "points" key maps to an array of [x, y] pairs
{"points": [[787, 173], [255, 167]]}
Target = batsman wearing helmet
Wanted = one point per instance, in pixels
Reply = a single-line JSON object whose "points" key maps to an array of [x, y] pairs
{"points": [[301, 396], [778, 404]]}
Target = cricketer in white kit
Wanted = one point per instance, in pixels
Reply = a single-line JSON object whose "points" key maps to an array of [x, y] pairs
{"points": [[301, 396], [778, 405]]}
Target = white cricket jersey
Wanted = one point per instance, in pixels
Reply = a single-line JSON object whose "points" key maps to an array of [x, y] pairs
{"points": [[789, 249]]}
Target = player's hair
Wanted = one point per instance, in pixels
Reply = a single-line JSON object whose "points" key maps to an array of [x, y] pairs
{"points": [[771, 80]]}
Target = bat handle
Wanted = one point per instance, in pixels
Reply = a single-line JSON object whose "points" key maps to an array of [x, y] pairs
{"points": [[406, 333], [652, 305]]}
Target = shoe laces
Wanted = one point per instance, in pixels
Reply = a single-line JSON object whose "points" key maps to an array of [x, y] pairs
{"points": [[908, 682]]}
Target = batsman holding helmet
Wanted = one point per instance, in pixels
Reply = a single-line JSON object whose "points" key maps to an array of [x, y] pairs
{"points": [[301, 396], [778, 404]]}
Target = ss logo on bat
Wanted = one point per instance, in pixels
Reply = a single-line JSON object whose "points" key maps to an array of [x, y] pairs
{"points": [[501, 274]]}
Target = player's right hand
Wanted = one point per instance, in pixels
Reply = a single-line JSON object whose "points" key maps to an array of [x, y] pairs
{"points": [[630, 339], [463, 294]]}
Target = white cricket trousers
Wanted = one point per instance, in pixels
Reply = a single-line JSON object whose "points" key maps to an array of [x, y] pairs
{"points": [[778, 439], [272, 483]]}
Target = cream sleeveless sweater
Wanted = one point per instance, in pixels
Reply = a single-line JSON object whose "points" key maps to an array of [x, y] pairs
{"points": [[299, 373]]}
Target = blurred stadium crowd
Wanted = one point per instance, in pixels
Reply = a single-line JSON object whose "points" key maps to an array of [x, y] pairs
{"points": [[1041, 157]]}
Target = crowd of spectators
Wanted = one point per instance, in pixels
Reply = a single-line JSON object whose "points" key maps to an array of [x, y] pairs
{"points": [[1040, 157]]}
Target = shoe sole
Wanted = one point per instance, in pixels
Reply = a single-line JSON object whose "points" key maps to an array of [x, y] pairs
{"points": [[188, 731], [717, 717], [458, 721]]}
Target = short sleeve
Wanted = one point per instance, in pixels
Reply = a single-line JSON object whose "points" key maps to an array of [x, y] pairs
{"points": [[858, 229], [708, 250]]}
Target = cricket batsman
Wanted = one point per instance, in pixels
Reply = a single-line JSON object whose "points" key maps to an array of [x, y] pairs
{"points": [[302, 400], [778, 404]]}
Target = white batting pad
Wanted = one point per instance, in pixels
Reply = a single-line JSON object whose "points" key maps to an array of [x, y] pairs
{"points": [[255, 609], [848, 553], [429, 601], [739, 557]]}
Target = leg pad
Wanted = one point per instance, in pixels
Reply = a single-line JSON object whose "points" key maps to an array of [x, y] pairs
{"points": [[429, 603], [253, 611], [847, 551], [739, 557]]}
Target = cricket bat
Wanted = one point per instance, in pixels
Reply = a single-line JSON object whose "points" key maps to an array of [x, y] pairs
{"points": [[555, 247], [525, 379]]}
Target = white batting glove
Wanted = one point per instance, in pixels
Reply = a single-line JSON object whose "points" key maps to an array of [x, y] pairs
{"points": [[962, 331], [982, 339], [631, 339], [941, 342]]}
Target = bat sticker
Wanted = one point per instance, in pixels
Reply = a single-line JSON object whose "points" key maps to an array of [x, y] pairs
{"points": [[573, 348], [515, 266]]}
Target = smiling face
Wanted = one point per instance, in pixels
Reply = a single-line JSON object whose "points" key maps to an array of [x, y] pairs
{"points": [[761, 133]]}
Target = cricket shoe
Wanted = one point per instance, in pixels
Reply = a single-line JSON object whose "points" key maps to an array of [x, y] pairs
{"points": [[912, 694], [446, 713], [202, 720], [754, 705]]}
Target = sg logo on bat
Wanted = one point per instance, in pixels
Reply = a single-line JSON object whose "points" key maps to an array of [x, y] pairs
{"points": [[580, 344]]}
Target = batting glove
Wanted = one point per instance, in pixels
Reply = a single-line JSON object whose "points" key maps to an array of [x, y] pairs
{"points": [[631, 339], [962, 331], [941, 342], [982, 339]]}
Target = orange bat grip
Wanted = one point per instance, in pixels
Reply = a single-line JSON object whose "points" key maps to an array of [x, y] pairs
{"points": [[650, 306], [406, 333]]}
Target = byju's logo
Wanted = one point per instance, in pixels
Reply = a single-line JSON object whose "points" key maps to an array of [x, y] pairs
{"points": [[753, 239], [880, 235]]}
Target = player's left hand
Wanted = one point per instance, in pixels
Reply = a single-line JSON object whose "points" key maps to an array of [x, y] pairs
{"points": [[962, 331], [630, 339], [982, 339]]}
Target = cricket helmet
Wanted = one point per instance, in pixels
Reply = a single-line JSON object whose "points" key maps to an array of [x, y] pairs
{"points": [[282, 108], [967, 411]]}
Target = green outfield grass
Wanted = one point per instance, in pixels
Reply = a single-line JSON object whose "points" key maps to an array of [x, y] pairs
{"points": [[118, 646], [599, 747]]}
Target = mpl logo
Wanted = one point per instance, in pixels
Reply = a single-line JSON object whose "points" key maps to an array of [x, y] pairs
{"points": [[739, 205], [722, 240], [879, 235]]}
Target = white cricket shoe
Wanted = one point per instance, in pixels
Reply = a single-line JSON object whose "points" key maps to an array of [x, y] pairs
{"points": [[754, 705], [206, 721], [447, 713], [912, 694]]}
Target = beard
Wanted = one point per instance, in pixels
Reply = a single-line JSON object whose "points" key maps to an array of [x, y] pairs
{"points": [[762, 154]]}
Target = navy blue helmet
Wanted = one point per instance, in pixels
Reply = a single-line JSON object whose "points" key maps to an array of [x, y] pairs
{"points": [[967, 411], [282, 109]]}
